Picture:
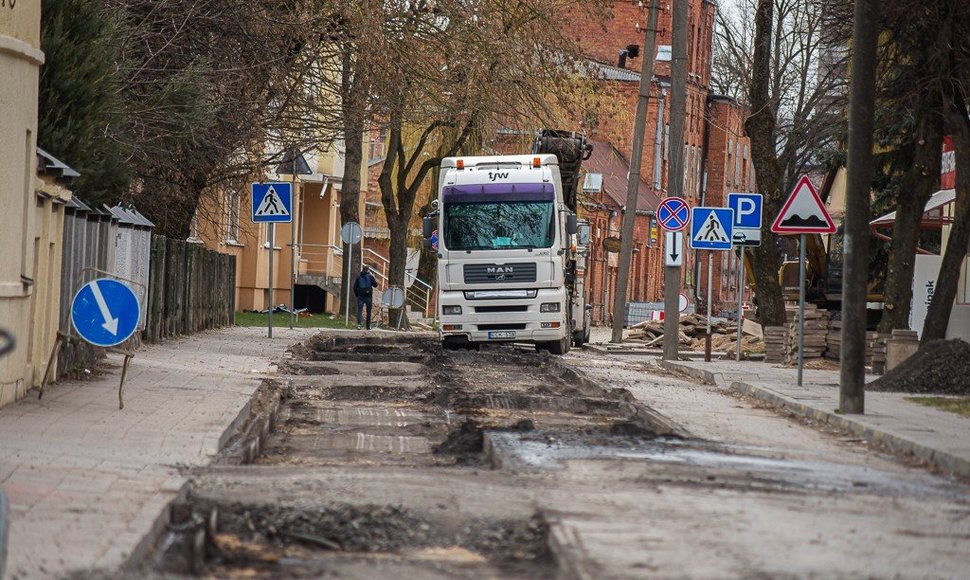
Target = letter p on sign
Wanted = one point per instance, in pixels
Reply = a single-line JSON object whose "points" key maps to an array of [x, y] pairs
{"points": [[747, 209]]}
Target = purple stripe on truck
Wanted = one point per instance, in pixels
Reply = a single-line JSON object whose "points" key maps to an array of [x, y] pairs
{"points": [[498, 192]]}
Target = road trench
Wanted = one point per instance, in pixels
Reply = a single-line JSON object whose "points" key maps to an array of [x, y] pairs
{"points": [[376, 455], [380, 455]]}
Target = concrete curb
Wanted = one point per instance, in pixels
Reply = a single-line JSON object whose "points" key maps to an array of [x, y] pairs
{"points": [[941, 460], [247, 431], [4, 525], [891, 442], [706, 377]]}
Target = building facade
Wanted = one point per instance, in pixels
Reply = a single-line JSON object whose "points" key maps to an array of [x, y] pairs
{"points": [[20, 61]]}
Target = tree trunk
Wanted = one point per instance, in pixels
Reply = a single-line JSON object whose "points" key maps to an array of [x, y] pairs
{"points": [[945, 291], [428, 262], [910, 201], [760, 127], [354, 118], [398, 265]]}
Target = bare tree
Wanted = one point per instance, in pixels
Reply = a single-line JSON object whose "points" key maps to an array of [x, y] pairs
{"points": [[450, 69], [785, 60]]}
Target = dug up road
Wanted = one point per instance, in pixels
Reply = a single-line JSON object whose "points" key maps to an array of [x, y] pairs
{"points": [[382, 456]]}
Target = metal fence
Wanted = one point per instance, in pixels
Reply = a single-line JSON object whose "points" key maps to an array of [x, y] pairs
{"points": [[183, 287], [191, 288]]}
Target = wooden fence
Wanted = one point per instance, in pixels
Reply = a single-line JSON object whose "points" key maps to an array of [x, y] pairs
{"points": [[190, 289]]}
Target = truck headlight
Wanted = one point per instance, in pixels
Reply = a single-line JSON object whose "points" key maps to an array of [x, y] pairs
{"points": [[451, 310], [549, 307]]}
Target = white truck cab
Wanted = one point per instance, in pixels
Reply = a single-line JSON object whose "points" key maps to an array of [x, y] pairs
{"points": [[505, 243]]}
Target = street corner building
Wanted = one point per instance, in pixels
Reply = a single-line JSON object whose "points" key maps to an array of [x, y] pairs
{"points": [[33, 208]]}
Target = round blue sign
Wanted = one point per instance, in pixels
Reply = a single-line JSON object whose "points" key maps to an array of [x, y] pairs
{"points": [[673, 213], [105, 312]]}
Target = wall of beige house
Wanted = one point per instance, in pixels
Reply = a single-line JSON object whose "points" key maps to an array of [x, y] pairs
{"points": [[20, 61]]}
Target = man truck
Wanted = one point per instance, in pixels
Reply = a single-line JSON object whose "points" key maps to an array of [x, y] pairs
{"points": [[511, 251]]}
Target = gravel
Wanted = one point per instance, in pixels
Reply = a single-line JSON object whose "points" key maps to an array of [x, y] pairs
{"points": [[939, 367]]}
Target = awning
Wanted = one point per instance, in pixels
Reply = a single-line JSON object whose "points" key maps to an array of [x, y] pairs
{"points": [[932, 213]]}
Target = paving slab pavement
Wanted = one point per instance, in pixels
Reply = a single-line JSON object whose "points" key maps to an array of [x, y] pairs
{"points": [[939, 438], [87, 482]]}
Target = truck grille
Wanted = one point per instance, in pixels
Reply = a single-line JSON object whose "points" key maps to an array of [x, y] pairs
{"points": [[489, 273], [509, 308], [503, 326]]}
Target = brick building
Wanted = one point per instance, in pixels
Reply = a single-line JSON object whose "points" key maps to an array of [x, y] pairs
{"points": [[713, 138]]}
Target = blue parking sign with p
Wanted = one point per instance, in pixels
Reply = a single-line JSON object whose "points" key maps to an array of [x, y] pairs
{"points": [[747, 209]]}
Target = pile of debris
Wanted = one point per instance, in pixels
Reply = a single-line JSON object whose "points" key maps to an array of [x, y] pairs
{"points": [[692, 333], [939, 366]]}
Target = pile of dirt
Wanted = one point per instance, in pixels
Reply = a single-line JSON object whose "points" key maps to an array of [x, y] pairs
{"points": [[939, 366]]}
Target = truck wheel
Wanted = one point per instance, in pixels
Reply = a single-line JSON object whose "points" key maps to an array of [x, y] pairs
{"points": [[560, 346]]}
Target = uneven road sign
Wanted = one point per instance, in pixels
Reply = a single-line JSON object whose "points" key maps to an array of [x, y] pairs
{"points": [[272, 202], [105, 312], [673, 213], [803, 212], [712, 228], [747, 218]]}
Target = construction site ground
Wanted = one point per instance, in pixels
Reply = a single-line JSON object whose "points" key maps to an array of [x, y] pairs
{"points": [[378, 455]]}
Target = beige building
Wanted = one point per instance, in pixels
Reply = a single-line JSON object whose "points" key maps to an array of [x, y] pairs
{"points": [[33, 212], [224, 223]]}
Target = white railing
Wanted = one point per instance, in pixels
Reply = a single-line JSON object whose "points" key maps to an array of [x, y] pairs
{"points": [[327, 260], [417, 295]]}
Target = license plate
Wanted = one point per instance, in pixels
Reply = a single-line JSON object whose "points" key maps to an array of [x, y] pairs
{"points": [[501, 334]]}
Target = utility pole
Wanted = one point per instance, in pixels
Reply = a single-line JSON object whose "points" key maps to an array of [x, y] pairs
{"points": [[293, 243], [675, 167], [633, 185], [865, 32]]}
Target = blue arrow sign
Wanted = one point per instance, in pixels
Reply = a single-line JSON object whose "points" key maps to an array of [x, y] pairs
{"points": [[272, 202], [105, 312], [711, 228]]}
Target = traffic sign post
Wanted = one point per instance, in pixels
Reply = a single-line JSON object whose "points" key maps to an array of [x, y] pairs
{"points": [[673, 213], [740, 286], [747, 218], [673, 249], [272, 204], [350, 234], [803, 213], [711, 228], [104, 312]]}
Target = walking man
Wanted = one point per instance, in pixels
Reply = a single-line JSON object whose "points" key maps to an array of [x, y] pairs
{"points": [[364, 290]]}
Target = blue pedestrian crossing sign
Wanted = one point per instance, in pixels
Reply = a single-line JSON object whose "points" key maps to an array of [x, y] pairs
{"points": [[711, 228], [272, 202], [747, 218], [105, 312]]}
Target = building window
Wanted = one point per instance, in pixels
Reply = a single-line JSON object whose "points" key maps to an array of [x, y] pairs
{"points": [[232, 217]]}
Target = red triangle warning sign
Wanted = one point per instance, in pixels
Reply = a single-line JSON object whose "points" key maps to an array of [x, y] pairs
{"points": [[804, 212]]}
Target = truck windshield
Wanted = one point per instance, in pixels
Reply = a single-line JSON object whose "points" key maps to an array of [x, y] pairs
{"points": [[498, 225]]}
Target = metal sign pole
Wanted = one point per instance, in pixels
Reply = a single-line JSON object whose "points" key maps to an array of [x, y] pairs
{"points": [[293, 248], [347, 260], [710, 285], [801, 306], [272, 245], [737, 354]]}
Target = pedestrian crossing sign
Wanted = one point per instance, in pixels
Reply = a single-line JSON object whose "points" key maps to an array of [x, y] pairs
{"points": [[711, 228], [272, 202]]}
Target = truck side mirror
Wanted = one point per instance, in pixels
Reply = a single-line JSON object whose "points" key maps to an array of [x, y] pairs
{"points": [[572, 226], [427, 227]]}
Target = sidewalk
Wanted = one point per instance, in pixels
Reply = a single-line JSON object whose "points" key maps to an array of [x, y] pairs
{"points": [[87, 481], [940, 438]]}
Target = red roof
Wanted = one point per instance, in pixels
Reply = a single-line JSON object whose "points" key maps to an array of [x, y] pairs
{"points": [[608, 161]]}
